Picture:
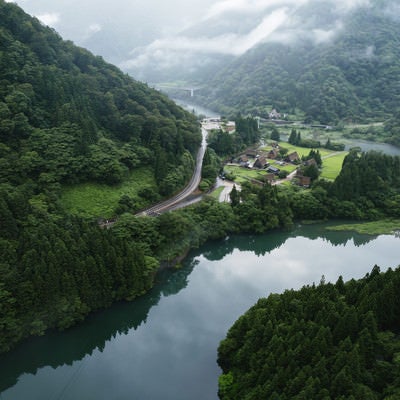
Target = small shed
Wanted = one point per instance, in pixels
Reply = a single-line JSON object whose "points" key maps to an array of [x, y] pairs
{"points": [[273, 169]]}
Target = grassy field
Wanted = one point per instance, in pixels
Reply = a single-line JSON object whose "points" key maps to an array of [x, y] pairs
{"points": [[303, 151], [382, 227], [332, 165], [244, 174], [97, 200], [331, 161]]}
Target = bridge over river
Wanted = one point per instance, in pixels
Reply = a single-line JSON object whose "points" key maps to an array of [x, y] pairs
{"points": [[171, 88]]}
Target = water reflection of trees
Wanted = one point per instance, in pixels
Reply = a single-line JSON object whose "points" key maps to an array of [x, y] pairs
{"points": [[60, 348], [336, 238], [63, 348], [263, 244]]}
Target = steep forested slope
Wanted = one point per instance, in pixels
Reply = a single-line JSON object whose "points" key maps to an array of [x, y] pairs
{"points": [[66, 117], [70, 116], [331, 341], [352, 75]]}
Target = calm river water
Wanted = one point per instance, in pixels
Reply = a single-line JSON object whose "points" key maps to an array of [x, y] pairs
{"points": [[164, 345]]}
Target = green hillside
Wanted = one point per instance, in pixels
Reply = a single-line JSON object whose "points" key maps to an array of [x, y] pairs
{"points": [[68, 116], [69, 120], [351, 77]]}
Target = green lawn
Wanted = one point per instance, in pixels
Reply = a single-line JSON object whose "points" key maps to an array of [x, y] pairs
{"points": [[95, 200]]}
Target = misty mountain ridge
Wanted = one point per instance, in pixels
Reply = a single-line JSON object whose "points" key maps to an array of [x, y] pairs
{"points": [[350, 76], [229, 31]]}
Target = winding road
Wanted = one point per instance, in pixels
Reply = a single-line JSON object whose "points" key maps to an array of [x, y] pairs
{"points": [[166, 205]]}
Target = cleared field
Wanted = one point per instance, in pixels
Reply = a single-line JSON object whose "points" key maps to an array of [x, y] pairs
{"points": [[332, 165], [95, 200], [304, 151], [244, 174]]}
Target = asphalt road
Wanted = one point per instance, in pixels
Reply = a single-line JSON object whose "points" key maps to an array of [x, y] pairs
{"points": [[166, 205]]}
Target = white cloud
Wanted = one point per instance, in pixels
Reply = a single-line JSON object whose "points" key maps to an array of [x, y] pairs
{"points": [[347, 5], [216, 27], [91, 30], [50, 19], [254, 6], [369, 51], [248, 6], [232, 44], [94, 28], [322, 36]]}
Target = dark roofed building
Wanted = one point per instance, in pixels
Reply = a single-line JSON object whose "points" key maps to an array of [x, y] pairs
{"points": [[304, 181], [311, 161], [251, 153], [261, 162], [273, 154], [273, 169], [292, 157]]}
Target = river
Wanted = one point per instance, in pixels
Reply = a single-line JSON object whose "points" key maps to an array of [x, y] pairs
{"points": [[196, 109], [364, 145], [164, 345]]}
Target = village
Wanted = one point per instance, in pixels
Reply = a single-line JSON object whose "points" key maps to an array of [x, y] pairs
{"points": [[274, 163]]}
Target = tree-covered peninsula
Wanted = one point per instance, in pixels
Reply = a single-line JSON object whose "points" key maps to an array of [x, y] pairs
{"points": [[330, 341]]}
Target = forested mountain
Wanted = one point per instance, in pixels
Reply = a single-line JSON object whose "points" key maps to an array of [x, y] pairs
{"points": [[67, 117], [331, 341], [329, 65]]}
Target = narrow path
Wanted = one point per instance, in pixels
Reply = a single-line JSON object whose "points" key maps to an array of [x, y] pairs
{"points": [[333, 154]]}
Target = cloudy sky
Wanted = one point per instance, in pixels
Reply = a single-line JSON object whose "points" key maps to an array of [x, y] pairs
{"points": [[136, 33]]}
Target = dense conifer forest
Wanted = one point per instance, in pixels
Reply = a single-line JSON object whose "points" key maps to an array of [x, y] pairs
{"points": [[67, 116], [330, 341]]}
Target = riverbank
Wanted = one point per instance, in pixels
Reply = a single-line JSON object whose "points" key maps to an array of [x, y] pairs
{"points": [[380, 227]]}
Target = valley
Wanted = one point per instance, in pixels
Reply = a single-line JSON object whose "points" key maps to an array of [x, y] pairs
{"points": [[293, 179]]}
